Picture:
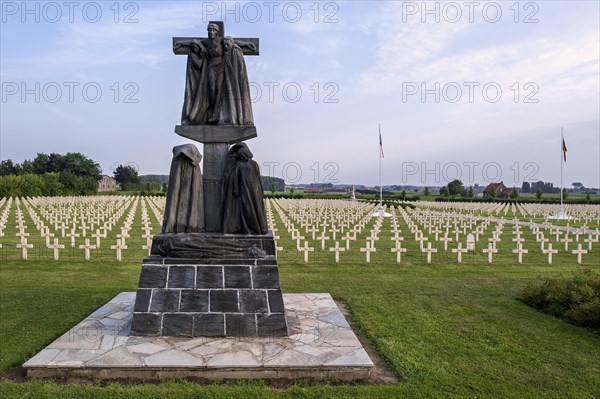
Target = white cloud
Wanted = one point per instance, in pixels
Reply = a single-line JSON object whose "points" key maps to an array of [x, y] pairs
{"points": [[85, 45], [563, 61]]}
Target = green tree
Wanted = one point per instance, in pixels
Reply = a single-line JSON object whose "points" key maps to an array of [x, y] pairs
{"points": [[292, 191], [72, 184], [52, 185], [493, 192], [444, 191], [587, 198], [56, 162], [26, 168], [32, 185], [470, 192], [403, 195], [10, 186], [426, 192], [40, 163], [77, 185], [54, 174], [455, 188], [538, 193], [7, 167], [565, 195], [80, 165], [514, 194], [127, 176]]}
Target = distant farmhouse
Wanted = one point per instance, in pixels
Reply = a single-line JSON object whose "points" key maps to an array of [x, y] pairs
{"points": [[501, 190], [106, 184]]}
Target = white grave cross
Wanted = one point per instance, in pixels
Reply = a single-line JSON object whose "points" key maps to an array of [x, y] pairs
{"points": [[459, 251], [429, 251], [337, 251], [549, 251], [579, 252], [398, 250], [55, 247]]}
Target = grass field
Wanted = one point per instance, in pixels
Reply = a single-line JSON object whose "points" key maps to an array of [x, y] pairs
{"points": [[445, 329]]}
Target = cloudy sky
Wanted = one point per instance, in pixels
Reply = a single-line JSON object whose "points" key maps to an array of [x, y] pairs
{"points": [[474, 90]]}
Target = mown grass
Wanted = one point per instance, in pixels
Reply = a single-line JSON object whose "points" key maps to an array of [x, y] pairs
{"points": [[446, 331]]}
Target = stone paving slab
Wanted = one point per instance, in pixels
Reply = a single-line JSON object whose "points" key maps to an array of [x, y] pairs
{"points": [[320, 345]]}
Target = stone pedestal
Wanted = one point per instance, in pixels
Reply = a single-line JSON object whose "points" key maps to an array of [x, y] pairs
{"points": [[210, 285], [320, 345]]}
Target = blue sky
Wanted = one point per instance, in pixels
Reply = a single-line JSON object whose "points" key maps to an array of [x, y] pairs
{"points": [[474, 91]]}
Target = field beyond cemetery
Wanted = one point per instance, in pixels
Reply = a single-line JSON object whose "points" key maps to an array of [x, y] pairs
{"points": [[446, 329]]}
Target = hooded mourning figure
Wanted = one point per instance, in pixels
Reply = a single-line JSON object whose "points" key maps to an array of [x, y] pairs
{"points": [[243, 206], [184, 210]]}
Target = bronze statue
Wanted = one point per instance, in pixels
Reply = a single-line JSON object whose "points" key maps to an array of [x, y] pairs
{"points": [[184, 210], [217, 91], [243, 206]]}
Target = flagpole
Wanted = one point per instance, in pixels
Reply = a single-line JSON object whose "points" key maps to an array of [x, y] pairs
{"points": [[380, 212], [380, 186], [562, 140]]}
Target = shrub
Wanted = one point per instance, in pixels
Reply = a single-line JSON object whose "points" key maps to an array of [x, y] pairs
{"points": [[575, 299]]}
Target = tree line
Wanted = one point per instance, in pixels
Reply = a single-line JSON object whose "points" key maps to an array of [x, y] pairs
{"points": [[50, 175]]}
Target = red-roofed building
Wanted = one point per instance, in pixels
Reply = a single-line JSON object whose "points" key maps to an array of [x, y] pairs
{"points": [[501, 190]]}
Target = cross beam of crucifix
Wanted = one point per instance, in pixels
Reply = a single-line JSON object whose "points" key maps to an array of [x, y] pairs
{"points": [[249, 46]]}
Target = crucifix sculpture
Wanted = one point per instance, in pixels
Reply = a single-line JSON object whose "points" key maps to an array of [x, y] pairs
{"points": [[212, 271], [217, 90], [217, 110]]}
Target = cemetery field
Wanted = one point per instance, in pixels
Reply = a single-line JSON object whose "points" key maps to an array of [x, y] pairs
{"points": [[434, 289]]}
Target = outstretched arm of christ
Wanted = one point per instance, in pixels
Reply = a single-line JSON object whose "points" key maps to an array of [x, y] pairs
{"points": [[181, 45], [248, 46]]}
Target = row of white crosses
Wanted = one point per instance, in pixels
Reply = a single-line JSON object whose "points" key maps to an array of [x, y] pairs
{"points": [[330, 225], [477, 208], [271, 225], [21, 234], [466, 225], [321, 221], [146, 227], [456, 225], [520, 251], [310, 218], [437, 223], [556, 232], [351, 224], [156, 204], [90, 216], [5, 204], [71, 218], [98, 235], [395, 233], [579, 214], [81, 216]]}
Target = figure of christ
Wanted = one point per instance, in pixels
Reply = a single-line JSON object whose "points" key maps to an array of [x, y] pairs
{"points": [[217, 91]]}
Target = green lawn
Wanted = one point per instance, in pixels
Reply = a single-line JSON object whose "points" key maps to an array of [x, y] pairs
{"points": [[446, 330]]}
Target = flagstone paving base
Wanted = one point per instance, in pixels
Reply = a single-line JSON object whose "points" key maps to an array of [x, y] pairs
{"points": [[320, 345]]}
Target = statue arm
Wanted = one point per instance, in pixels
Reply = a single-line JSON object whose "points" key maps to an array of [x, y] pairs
{"points": [[246, 45], [185, 46], [181, 47]]}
